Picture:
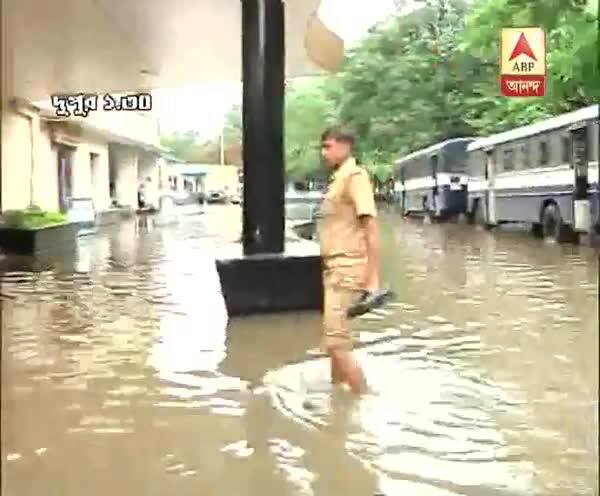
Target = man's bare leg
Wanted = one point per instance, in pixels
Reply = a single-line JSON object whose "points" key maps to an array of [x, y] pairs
{"points": [[337, 376], [351, 371]]}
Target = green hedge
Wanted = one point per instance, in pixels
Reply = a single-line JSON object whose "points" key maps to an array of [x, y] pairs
{"points": [[31, 218]]}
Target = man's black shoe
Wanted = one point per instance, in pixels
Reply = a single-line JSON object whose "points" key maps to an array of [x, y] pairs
{"points": [[368, 301]]}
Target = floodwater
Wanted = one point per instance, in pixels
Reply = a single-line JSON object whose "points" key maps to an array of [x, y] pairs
{"points": [[121, 374]]}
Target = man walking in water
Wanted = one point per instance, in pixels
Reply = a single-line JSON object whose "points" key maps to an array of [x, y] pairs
{"points": [[349, 238]]}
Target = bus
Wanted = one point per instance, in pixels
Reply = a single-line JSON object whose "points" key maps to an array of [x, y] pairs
{"points": [[544, 174], [433, 181]]}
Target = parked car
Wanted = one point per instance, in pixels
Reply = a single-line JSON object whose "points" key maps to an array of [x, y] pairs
{"points": [[180, 197], [216, 197]]}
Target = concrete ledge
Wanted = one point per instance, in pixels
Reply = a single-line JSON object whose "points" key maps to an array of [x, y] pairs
{"points": [[35, 241], [113, 216], [591, 240], [271, 283], [59, 260]]}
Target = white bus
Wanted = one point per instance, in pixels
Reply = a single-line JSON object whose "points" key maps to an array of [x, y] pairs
{"points": [[545, 174], [433, 181]]}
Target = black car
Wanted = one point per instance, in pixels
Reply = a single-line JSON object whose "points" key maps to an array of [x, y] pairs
{"points": [[216, 197]]}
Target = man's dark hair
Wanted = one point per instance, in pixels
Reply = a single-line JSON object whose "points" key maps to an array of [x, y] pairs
{"points": [[339, 133]]}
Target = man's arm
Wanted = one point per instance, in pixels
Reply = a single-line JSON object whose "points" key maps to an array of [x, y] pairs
{"points": [[371, 227], [361, 192]]}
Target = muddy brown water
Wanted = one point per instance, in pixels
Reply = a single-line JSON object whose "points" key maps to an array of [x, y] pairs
{"points": [[122, 375]]}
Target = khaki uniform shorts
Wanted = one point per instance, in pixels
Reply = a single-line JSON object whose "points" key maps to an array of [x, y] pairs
{"points": [[341, 286]]}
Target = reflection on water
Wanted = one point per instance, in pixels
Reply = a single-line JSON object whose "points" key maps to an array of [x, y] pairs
{"points": [[121, 373]]}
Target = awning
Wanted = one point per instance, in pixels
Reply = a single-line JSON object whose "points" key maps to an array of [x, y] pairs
{"points": [[70, 46]]}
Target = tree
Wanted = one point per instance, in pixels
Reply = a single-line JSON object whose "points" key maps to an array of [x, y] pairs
{"points": [[402, 88], [307, 112], [571, 34], [180, 143], [433, 75], [233, 126], [187, 147]]}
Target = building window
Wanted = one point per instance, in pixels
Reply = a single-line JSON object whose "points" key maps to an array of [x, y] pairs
{"points": [[508, 163], [566, 150], [543, 153]]}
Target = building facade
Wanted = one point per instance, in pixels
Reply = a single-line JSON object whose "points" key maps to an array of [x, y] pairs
{"points": [[50, 162]]}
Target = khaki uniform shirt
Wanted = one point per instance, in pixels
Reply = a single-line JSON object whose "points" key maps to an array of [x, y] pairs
{"points": [[349, 196]]}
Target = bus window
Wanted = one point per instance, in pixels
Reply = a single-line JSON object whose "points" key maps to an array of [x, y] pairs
{"points": [[491, 157], [594, 136], [508, 162], [544, 153], [566, 150], [407, 171], [477, 163], [433, 161], [525, 156]]}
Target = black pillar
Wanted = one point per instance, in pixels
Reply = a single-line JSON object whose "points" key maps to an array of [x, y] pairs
{"points": [[266, 279], [263, 73]]}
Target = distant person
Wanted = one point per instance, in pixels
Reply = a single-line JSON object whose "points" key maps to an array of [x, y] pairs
{"points": [[349, 240], [140, 196], [150, 194]]}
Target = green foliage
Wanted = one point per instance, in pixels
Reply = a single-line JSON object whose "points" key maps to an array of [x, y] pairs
{"points": [[180, 144], [31, 218], [380, 172], [572, 61], [187, 147], [402, 89], [308, 112], [233, 125]]}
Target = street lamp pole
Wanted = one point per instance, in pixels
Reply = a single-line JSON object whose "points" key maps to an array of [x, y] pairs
{"points": [[222, 142]]}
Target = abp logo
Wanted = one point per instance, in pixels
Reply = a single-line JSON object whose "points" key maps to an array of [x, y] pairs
{"points": [[523, 62]]}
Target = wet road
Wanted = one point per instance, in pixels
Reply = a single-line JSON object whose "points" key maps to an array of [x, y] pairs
{"points": [[122, 375]]}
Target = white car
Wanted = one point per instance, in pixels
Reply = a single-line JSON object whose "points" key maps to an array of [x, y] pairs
{"points": [[178, 197]]}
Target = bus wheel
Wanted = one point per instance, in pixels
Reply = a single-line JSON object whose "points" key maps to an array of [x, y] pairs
{"points": [[553, 227]]}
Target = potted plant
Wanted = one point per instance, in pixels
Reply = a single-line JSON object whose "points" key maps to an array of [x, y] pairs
{"points": [[33, 230]]}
